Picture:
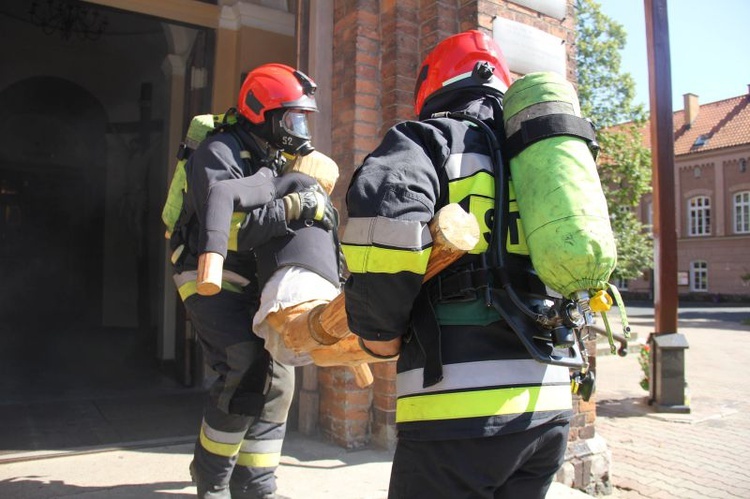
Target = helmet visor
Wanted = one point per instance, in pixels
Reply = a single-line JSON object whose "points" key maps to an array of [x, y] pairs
{"points": [[295, 123]]}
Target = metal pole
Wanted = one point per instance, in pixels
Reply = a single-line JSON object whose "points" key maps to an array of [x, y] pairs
{"points": [[667, 379], [662, 154]]}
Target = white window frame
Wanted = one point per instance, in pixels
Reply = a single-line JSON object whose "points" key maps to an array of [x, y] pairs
{"points": [[741, 207], [699, 216], [699, 276]]}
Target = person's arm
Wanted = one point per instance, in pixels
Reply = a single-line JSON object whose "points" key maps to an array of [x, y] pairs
{"points": [[298, 197], [214, 160], [387, 243], [234, 195], [389, 348]]}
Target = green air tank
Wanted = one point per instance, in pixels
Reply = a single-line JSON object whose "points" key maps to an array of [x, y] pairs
{"points": [[560, 198]]}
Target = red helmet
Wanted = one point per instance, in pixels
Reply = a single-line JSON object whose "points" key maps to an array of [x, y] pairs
{"points": [[274, 86], [468, 59]]}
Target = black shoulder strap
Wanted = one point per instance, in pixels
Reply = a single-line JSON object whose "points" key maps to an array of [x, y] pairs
{"points": [[551, 125], [246, 153]]}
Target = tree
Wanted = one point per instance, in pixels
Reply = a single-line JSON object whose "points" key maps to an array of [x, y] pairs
{"points": [[607, 97]]}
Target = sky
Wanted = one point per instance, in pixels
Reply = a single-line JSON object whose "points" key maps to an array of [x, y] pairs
{"points": [[709, 44]]}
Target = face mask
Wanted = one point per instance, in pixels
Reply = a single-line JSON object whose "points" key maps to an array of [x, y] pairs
{"points": [[291, 133]]}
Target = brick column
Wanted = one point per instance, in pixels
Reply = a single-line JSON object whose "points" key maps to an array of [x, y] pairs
{"points": [[356, 121]]}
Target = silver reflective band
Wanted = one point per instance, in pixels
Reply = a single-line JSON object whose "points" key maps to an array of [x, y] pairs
{"points": [[261, 446], [382, 231], [223, 437], [488, 373], [467, 164]]}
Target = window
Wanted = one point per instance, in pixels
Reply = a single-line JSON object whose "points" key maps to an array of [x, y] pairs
{"points": [[621, 284], [701, 141], [742, 212], [699, 216], [698, 276]]}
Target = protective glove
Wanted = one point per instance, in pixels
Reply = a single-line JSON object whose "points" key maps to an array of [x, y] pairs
{"points": [[311, 203]]}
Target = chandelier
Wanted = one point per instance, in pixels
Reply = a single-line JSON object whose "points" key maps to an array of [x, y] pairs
{"points": [[69, 17]]}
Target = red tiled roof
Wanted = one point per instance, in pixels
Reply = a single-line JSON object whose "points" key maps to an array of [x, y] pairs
{"points": [[722, 124]]}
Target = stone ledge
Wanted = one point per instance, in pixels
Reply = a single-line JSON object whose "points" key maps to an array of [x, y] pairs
{"points": [[587, 466]]}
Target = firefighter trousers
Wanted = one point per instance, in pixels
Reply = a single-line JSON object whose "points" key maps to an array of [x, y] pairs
{"points": [[512, 466], [244, 419]]}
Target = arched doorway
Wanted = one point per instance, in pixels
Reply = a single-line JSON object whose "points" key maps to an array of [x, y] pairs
{"points": [[52, 165]]}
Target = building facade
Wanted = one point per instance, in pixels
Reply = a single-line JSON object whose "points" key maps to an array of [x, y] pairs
{"points": [[712, 201]]}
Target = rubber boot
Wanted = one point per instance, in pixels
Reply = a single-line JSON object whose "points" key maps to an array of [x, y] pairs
{"points": [[208, 490], [237, 494]]}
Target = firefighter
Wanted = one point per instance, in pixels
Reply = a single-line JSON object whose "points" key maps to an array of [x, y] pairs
{"points": [[476, 415], [244, 420]]}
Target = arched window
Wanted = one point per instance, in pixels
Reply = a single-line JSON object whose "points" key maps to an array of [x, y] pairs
{"points": [[742, 212], [699, 216], [698, 276]]}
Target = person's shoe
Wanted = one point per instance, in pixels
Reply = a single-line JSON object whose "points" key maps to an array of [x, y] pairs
{"points": [[208, 490], [238, 493]]}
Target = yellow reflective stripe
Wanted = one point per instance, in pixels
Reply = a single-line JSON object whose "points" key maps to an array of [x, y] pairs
{"points": [[187, 290], [480, 190], [190, 288], [362, 259], [254, 460], [230, 286], [481, 184], [483, 403], [516, 240], [237, 220], [225, 450], [321, 206], [483, 210]]}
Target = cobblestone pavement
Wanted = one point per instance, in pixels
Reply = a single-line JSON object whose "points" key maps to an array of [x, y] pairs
{"points": [[702, 454]]}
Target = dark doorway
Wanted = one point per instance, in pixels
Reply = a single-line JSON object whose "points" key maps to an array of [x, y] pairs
{"points": [[82, 177], [52, 200]]}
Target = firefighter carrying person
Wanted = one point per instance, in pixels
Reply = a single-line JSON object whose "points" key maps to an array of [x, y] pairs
{"points": [[244, 420], [297, 272], [476, 415]]}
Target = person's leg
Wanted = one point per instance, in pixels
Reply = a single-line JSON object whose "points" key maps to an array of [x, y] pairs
{"points": [[444, 469], [509, 466], [236, 398], [254, 473], [538, 463], [216, 451]]}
